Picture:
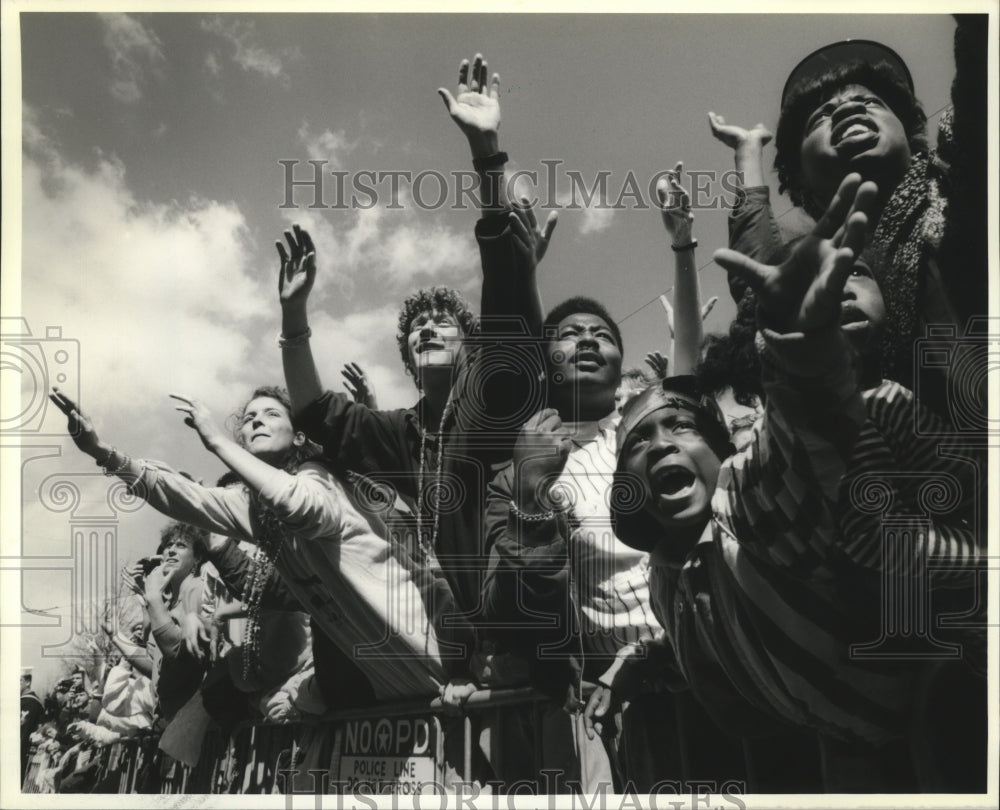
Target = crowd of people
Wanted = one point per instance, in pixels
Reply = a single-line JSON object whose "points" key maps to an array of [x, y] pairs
{"points": [[692, 597]]}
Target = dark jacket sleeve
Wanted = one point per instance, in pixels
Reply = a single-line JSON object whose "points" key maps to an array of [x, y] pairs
{"points": [[963, 145], [526, 594], [357, 438], [234, 567], [504, 388], [755, 232]]}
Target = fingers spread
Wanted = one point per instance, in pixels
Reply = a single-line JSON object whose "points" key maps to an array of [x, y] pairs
{"points": [[550, 225], [448, 98], [839, 206]]}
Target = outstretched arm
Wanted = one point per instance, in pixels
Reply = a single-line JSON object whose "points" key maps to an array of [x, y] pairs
{"points": [[218, 509], [295, 280], [748, 148], [814, 410], [475, 108], [675, 205]]}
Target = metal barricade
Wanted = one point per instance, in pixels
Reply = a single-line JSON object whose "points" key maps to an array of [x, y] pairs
{"points": [[387, 748]]}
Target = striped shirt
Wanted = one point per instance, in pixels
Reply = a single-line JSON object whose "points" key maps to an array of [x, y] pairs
{"points": [[608, 579], [372, 600], [757, 618]]}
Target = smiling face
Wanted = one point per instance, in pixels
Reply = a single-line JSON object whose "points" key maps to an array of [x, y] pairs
{"points": [[434, 343], [179, 558], [584, 356], [266, 430], [854, 130], [678, 467]]}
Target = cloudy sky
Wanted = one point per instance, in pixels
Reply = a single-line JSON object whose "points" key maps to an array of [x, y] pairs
{"points": [[152, 193]]}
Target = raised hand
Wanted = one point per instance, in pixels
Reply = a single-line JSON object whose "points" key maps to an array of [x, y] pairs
{"points": [[531, 241], [200, 418], [675, 205], [658, 363], [476, 105], [133, 574], [155, 584], [197, 637], [735, 137], [804, 292], [357, 385], [80, 427], [298, 268], [540, 454]]}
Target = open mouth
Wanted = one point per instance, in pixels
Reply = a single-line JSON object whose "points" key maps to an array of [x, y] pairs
{"points": [[430, 346], [854, 134], [588, 357], [852, 315], [673, 481]]}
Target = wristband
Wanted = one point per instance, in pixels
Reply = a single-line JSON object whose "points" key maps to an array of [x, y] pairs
{"points": [[493, 161], [681, 248], [295, 340], [527, 518]]}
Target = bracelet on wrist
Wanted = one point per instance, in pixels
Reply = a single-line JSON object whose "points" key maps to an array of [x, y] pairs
{"points": [[494, 161], [122, 465], [688, 246], [531, 518], [300, 339]]}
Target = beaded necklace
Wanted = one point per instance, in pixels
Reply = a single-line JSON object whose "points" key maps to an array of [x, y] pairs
{"points": [[427, 548], [262, 564]]}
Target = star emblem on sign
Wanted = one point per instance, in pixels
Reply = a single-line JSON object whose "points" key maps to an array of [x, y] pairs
{"points": [[382, 735]]}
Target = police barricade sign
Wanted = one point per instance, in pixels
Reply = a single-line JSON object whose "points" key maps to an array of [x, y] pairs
{"points": [[401, 755]]}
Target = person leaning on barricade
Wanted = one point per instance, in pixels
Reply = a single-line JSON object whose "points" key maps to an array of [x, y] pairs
{"points": [[333, 557]]}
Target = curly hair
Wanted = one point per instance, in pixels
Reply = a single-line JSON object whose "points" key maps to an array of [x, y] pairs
{"points": [[730, 360], [433, 299], [581, 304], [198, 538], [298, 454], [807, 95]]}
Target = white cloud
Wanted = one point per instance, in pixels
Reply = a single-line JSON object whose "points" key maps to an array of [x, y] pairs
{"points": [[400, 248], [329, 146], [133, 49], [246, 53], [212, 63], [354, 338], [162, 297], [596, 219]]}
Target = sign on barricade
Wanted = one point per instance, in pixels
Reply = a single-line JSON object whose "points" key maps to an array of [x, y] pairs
{"points": [[383, 755]]}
